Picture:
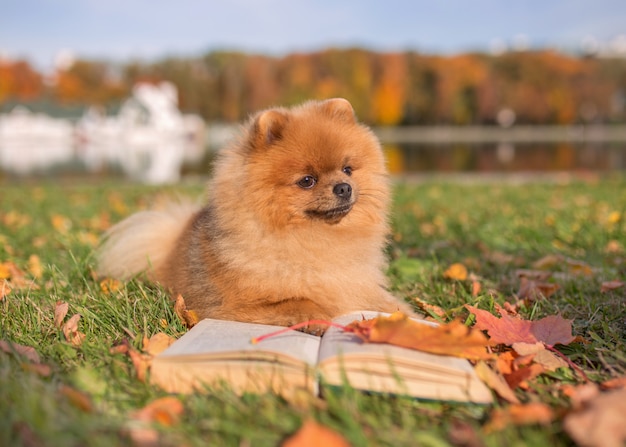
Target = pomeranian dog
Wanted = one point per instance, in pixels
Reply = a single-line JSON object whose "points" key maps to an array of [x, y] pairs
{"points": [[294, 228]]}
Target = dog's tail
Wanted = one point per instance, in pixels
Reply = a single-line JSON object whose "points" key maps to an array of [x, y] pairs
{"points": [[142, 242]]}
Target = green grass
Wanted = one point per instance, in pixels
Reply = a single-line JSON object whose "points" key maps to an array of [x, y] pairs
{"points": [[494, 229]]}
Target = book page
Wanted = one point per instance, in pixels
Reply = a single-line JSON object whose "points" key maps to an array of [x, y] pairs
{"points": [[382, 367], [220, 339]]}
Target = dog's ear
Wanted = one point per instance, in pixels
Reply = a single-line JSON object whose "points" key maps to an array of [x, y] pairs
{"points": [[340, 109], [268, 127]]}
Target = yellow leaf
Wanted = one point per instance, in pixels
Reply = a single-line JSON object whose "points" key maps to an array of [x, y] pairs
{"points": [[110, 285], [158, 343], [34, 266], [456, 271], [61, 223], [5, 272]]}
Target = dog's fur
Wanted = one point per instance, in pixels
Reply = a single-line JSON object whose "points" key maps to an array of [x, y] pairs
{"points": [[294, 228]]}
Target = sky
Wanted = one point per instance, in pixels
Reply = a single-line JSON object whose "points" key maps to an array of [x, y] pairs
{"points": [[122, 30]]}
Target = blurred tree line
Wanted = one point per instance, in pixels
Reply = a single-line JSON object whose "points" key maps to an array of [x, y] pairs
{"points": [[540, 87]]}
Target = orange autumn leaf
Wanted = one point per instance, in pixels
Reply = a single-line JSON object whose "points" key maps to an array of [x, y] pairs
{"points": [[60, 312], [188, 317], [431, 309], [532, 290], [34, 266], [71, 332], [398, 329], [522, 414], [495, 381], [109, 285], [78, 399], [26, 351], [456, 271], [600, 422], [507, 330], [607, 286], [141, 363], [158, 343], [165, 411], [313, 434]]}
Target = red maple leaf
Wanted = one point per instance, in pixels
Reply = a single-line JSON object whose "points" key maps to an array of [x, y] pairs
{"points": [[507, 330]]}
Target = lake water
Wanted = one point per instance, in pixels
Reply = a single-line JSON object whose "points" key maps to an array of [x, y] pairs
{"points": [[491, 157]]}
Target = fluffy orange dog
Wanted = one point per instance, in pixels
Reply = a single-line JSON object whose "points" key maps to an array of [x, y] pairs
{"points": [[294, 228]]}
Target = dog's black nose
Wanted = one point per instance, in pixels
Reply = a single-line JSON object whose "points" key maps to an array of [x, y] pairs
{"points": [[342, 190]]}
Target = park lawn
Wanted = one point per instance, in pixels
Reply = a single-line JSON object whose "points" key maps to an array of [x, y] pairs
{"points": [[85, 394]]}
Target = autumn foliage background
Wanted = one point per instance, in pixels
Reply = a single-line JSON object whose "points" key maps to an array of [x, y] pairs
{"points": [[540, 86]]}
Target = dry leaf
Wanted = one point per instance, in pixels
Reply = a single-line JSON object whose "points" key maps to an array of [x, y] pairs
{"points": [[70, 330], [141, 363], [548, 262], [26, 351], [521, 376], [109, 285], [507, 330], [456, 271], [601, 422], [579, 395], [80, 400], [618, 382], [312, 434], [158, 343], [34, 266], [60, 312], [165, 411], [532, 290], [453, 339], [188, 317], [41, 369], [578, 268], [61, 223], [496, 382], [429, 308], [526, 414], [611, 285]]}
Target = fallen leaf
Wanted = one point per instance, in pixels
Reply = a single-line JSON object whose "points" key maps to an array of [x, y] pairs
{"points": [[120, 348], [188, 317], [34, 266], [41, 369], [78, 399], [456, 271], [60, 312], [61, 223], [601, 422], [618, 382], [26, 351], [495, 381], [548, 262], [607, 286], [71, 332], [158, 343], [141, 363], [453, 339], [533, 290], [523, 414], [165, 411], [429, 308], [579, 395], [578, 268], [613, 247], [313, 434], [521, 376], [109, 285], [537, 275], [507, 330]]}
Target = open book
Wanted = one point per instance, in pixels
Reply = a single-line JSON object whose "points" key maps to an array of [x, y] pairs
{"points": [[218, 352]]}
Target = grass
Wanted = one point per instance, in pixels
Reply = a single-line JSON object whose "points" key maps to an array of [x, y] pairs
{"points": [[494, 229]]}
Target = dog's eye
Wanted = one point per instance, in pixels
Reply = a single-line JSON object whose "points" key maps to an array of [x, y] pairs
{"points": [[347, 170], [307, 182]]}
